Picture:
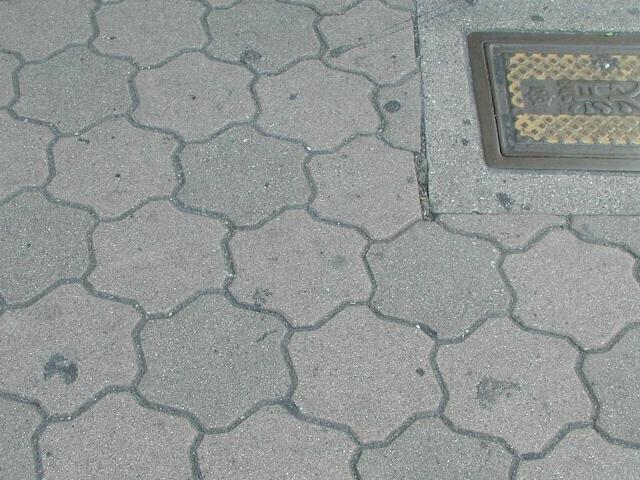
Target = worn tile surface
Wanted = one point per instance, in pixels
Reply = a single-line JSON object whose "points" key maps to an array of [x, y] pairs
{"points": [[255, 239]]}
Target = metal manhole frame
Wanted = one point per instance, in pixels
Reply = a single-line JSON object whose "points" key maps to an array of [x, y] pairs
{"points": [[487, 110]]}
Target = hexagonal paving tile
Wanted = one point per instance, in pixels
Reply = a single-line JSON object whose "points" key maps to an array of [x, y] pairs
{"points": [[253, 40], [326, 261], [401, 106], [623, 230], [150, 30], [575, 288], [449, 282], [268, 172], [583, 454], [113, 167], [317, 105], [40, 243], [36, 29], [428, 449], [405, 4], [274, 444], [215, 360], [23, 154], [327, 6], [73, 89], [369, 184], [615, 378], [512, 231], [18, 423], [115, 439], [373, 39], [67, 347], [361, 371], [197, 105], [8, 63], [158, 256], [513, 384]]}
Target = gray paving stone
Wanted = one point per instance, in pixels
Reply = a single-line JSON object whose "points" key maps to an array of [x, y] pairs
{"points": [[326, 260], [393, 381], [67, 347], [113, 167], [36, 28], [459, 180], [214, 360], [115, 439], [222, 3], [574, 288], [150, 30], [583, 454], [197, 105], [371, 38], [244, 175], [446, 281], [326, 6], [623, 230], [23, 154], [40, 243], [17, 424], [369, 184], [428, 449], [317, 105], [263, 34], [513, 384], [7, 64], [158, 256], [512, 231], [273, 444], [73, 89], [404, 4], [401, 106], [615, 379]]}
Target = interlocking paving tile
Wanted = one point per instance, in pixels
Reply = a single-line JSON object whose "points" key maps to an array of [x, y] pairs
{"points": [[406, 4], [369, 184], [428, 449], [326, 260], [196, 105], [266, 171], [512, 231], [401, 106], [364, 372], [7, 64], [373, 39], [73, 89], [40, 243], [326, 6], [36, 29], [274, 444], [574, 288], [113, 167], [317, 105], [583, 454], [150, 30], [23, 154], [115, 439], [446, 281], [263, 34], [215, 360], [17, 424], [67, 347], [621, 230], [513, 384], [615, 379], [158, 256]]}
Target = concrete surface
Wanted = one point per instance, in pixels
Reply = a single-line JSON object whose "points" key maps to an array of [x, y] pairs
{"points": [[234, 245]]}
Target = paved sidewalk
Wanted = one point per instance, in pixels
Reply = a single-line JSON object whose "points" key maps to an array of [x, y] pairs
{"points": [[219, 261]]}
